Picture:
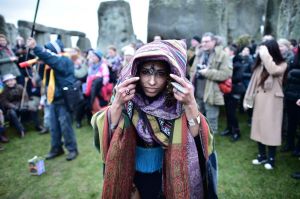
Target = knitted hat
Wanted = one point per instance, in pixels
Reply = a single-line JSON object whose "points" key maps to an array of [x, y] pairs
{"points": [[55, 46], [98, 53], [8, 77]]}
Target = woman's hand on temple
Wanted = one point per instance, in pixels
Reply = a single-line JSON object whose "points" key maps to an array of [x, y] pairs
{"points": [[125, 91], [186, 97]]}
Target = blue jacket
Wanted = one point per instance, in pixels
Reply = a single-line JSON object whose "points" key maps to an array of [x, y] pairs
{"points": [[63, 69]]}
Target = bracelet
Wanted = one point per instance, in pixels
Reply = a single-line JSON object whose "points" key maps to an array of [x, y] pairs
{"points": [[113, 127], [194, 121]]}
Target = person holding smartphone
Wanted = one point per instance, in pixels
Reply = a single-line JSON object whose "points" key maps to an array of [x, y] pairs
{"points": [[153, 129]]}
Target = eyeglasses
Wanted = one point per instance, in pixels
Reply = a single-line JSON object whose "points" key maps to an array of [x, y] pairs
{"points": [[206, 41]]}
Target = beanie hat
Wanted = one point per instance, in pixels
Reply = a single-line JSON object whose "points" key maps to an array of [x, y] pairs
{"points": [[8, 77], [55, 46], [197, 38], [98, 53]]}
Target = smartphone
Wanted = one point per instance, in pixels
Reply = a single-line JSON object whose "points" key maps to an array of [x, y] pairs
{"points": [[178, 87]]}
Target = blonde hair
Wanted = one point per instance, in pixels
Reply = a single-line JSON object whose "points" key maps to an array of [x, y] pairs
{"points": [[285, 42]]}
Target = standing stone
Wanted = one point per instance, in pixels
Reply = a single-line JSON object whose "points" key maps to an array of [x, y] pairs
{"points": [[83, 43], [245, 17], [271, 19], [115, 25], [289, 19], [42, 37], [66, 39], [2, 25], [181, 19], [11, 33], [24, 32]]}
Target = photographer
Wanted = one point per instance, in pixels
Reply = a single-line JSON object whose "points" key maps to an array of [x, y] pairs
{"points": [[211, 65]]}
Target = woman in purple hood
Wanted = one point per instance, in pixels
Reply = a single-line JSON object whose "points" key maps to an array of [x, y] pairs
{"points": [[152, 139]]}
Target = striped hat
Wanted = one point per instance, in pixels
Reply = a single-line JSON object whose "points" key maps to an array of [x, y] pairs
{"points": [[171, 51]]}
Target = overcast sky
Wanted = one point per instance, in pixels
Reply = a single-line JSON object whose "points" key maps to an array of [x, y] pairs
{"points": [[80, 15]]}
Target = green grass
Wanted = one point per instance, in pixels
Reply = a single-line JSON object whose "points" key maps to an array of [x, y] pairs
{"points": [[82, 178]]}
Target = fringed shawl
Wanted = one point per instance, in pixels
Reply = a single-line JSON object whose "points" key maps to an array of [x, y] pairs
{"points": [[117, 150]]}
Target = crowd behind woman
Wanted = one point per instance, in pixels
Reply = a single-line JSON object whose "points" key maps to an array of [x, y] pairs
{"points": [[268, 71]]}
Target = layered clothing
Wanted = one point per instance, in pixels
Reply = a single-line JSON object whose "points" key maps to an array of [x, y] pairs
{"points": [[153, 137]]}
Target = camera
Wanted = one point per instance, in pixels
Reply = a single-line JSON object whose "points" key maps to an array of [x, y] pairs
{"points": [[201, 66]]}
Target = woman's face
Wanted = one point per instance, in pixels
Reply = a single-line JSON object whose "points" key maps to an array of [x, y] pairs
{"points": [[153, 77], [3, 42], [94, 58], [283, 49], [246, 52]]}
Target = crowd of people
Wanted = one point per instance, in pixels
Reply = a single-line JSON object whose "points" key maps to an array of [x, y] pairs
{"points": [[156, 104]]}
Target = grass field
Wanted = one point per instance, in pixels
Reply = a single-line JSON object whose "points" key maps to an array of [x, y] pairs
{"points": [[82, 178]]}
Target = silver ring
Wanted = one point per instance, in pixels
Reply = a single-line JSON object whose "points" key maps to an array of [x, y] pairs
{"points": [[127, 91]]}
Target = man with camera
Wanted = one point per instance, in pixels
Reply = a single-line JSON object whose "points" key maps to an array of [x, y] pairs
{"points": [[61, 70], [211, 66]]}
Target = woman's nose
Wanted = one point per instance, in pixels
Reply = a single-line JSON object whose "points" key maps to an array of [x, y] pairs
{"points": [[152, 80]]}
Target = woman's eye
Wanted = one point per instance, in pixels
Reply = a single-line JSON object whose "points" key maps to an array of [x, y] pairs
{"points": [[162, 74], [145, 72]]}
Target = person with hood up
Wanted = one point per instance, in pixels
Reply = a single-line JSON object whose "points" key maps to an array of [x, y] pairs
{"points": [[152, 139]]}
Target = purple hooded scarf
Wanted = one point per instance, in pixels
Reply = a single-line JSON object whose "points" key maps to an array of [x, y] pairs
{"points": [[174, 53]]}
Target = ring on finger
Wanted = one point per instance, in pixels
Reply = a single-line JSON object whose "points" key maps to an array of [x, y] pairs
{"points": [[127, 91]]}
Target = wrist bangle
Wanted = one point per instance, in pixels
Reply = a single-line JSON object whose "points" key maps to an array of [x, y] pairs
{"points": [[194, 121], [113, 127]]}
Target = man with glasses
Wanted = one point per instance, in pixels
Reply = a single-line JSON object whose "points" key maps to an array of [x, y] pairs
{"points": [[211, 66]]}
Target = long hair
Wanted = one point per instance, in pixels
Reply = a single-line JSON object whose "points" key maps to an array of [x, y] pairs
{"points": [[274, 51]]}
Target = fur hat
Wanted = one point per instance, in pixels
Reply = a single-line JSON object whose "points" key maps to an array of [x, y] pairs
{"points": [[8, 77], [55, 46]]}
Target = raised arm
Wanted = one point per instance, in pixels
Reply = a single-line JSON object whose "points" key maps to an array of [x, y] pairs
{"points": [[188, 100], [125, 91], [270, 65], [49, 58]]}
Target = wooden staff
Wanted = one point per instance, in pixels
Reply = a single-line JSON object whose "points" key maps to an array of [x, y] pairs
{"points": [[23, 96]]}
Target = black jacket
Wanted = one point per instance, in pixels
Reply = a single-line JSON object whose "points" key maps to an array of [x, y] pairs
{"points": [[292, 90]]}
